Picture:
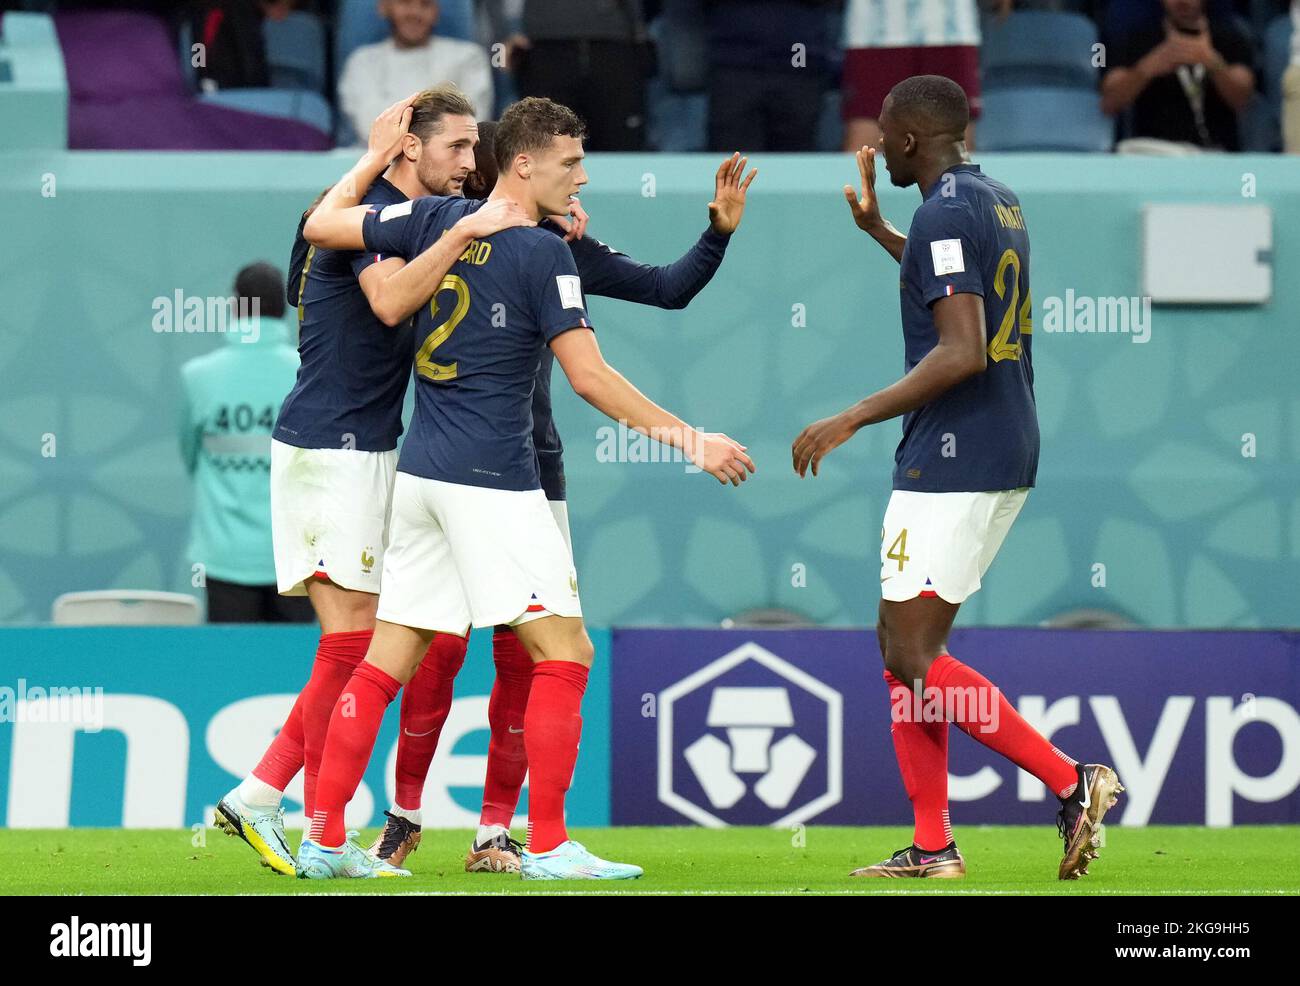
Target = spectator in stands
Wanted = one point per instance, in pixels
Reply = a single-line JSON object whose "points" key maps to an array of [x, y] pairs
{"points": [[413, 58], [231, 398], [1186, 78], [593, 57], [886, 41], [770, 67], [1291, 88], [228, 33]]}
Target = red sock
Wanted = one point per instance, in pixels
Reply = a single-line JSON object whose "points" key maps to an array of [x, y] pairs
{"points": [[337, 656], [922, 752], [552, 728], [351, 739], [507, 760], [284, 757], [976, 707], [426, 701]]}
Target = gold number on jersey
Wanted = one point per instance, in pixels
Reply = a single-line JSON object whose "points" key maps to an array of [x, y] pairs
{"points": [[302, 282], [424, 364], [1018, 314], [898, 550]]}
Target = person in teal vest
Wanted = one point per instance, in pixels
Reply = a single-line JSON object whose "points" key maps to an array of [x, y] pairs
{"points": [[231, 398]]}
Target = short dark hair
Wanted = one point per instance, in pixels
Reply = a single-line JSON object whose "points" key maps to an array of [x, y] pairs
{"points": [[933, 104], [531, 124], [481, 181], [433, 104], [264, 282]]}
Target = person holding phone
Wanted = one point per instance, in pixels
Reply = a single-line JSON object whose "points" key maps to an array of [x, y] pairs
{"points": [[1186, 78]]}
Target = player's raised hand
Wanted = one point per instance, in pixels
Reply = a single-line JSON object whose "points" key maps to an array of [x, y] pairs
{"points": [[390, 127], [815, 441], [574, 224], [729, 190], [865, 208], [493, 217], [721, 457]]}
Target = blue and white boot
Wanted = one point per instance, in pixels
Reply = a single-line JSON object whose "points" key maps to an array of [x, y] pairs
{"points": [[261, 828], [571, 861], [349, 861]]}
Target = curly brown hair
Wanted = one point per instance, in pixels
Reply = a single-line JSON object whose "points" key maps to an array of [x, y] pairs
{"points": [[531, 124]]}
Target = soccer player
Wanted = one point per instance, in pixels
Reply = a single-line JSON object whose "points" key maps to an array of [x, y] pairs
{"points": [[333, 454], [252, 811], [473, 540], [426, 699], [967, 459]]}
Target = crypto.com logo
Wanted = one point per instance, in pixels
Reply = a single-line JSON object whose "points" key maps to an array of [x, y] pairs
{"points": [[748, 716]]}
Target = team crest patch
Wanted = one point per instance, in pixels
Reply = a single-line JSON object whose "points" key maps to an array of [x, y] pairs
{"points": [[947, 257], [367, 560], [570, 290]]}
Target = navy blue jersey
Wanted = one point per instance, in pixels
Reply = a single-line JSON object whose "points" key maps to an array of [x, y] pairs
{"points": [[605, 271], [479, 343], [969, 236], [353, 370]]}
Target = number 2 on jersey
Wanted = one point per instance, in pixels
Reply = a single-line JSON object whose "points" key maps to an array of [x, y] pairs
{"points": [[424, 364], [1017, 312]]}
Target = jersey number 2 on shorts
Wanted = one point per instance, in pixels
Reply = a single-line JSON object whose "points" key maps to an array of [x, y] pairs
{"points": [[424, 364], [1017, 312]]}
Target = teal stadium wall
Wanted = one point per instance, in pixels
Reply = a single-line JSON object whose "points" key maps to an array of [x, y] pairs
{"points": [[1142, 468]]}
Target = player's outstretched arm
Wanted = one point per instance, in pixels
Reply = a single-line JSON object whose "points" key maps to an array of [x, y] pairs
{"points": [[729, 188], [607, 390], [866, 208], [396, 290], [960, 353], [611, 274], [336, 221]]}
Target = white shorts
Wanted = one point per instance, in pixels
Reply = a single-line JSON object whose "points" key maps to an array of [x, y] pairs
{"points": [[461, 556], [560, 511], [329, 515], [941, 544]]}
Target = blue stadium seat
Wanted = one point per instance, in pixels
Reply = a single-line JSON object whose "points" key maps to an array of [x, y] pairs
{"points": [[1277, 55], [358, 23], [830, 124], [295, 51], [681, 36], [1261, 122], [1043, 118], [184, 43], [302, 105], [1039, 48], [676, 122]]}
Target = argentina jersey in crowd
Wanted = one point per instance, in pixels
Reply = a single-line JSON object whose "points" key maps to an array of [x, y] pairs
{"points": [[969, 236], [352, 376], [479, 343]]}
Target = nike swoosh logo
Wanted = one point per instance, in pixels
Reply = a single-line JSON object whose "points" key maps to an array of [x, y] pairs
{"points": [[1087, 793], [417, 735], [517, 732]]}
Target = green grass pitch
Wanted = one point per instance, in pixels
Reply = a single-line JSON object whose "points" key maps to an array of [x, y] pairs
{"points": [[999, 860]]}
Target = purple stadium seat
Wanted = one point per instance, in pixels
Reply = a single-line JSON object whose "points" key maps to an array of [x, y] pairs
{"points": [[126, 92]]}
